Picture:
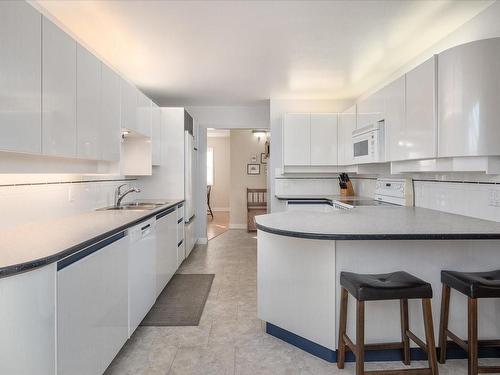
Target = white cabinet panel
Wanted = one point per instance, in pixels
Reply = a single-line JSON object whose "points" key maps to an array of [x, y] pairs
{"points": [[58, 92], [28, 322], [395, 121], [142, 272], [468, 87], [128, 106], [110, 114], [156, 134], [421, 118], [143, 115], [324, 139], [88, 101], [20, 77], [92, 316], [370, 110], [166, 249], [347, 123], [297, 139]]}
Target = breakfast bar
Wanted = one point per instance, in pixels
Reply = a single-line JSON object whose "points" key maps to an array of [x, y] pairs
{"points": [[301, 256]]}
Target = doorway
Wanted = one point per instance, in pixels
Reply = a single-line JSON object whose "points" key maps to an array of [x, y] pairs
{"points": [[236, 164]]}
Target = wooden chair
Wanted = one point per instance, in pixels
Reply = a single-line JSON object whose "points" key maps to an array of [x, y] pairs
{"points": [[256, 205], [209, 209]]}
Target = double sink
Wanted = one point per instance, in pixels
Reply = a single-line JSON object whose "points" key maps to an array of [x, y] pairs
{"points": [[137, 205]]}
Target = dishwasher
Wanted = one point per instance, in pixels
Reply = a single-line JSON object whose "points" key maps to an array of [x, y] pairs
{"points": [[142, 272]]}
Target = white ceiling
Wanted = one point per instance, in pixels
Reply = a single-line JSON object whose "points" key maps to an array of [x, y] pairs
{"points": [[243, 52]]}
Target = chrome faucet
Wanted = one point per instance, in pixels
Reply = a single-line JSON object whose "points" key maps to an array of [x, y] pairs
{"points": [[119, 195]]}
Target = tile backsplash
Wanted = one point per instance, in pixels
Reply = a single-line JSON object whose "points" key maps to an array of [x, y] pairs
{"points": [[480, 199], [32, 199]]}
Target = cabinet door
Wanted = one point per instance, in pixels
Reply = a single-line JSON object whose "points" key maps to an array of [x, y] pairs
{"points": [[110, 114], [395, 121], [20, 77], [88, 102], [468, 87], [92, 313], [324, 139], [166, 249], [421, 127], [297, 139], [156, 134], [370, 110], [128, 106], [142, 274], [58, 91], [347, 124], [143, 115]]}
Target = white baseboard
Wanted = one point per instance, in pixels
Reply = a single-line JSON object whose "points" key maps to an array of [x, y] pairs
{"points": [[220, 209], [202, 240], [237, 226]]}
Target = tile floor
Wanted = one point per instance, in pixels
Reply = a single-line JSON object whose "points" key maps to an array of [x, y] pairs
{"points": [[218, 224], [230, 339]]}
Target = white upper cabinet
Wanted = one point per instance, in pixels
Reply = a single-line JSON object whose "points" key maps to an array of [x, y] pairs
{"points": [[297, 139], [128, 106], [156, 134], [468, 89], [324, 139], [110, 114], [395, 122], [88, 101], [421, 117], [371, 109], [58, 92], [20, 77], [143, 115], [347, 123]]}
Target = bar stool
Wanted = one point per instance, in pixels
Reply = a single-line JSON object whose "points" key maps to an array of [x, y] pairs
{"points": [[474, 285], [398, 285]]}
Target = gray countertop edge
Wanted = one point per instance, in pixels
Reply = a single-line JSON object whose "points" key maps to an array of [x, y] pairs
{"points": [[36, 263], [379, 237]]}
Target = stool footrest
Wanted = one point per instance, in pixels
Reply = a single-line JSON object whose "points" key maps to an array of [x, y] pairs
{"points": [[408, 371], [489, 369]]}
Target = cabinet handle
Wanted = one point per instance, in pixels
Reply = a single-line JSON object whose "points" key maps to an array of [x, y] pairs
{"points": [[89, 250], [145, 226], [180, 243], [180, 220]]}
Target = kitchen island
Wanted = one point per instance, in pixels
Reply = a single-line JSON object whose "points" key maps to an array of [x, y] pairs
{"points": [[301, 255]]}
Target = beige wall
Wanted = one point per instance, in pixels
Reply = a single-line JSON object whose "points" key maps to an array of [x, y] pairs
{"points": [[243, 146], [219, 198]]}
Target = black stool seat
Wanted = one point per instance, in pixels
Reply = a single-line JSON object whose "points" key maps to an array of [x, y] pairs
{"points": [[396, 285], [474, 284]]}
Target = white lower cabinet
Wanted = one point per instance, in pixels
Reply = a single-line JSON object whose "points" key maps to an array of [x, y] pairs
{"points": [[92, 297], [166, 248], [181, 253], [142, 272]]}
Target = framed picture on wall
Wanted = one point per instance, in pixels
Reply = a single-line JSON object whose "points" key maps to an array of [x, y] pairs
{"points": [[264, 158], [253, 169]]}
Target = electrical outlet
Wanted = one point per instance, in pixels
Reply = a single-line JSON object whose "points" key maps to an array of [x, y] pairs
{"points": [[493, 198]]}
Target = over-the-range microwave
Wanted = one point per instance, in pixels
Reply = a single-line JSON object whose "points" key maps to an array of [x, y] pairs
{"points": [[368, 143]]}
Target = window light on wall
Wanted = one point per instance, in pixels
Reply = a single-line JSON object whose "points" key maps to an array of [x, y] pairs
{"points": [[210, 166]]}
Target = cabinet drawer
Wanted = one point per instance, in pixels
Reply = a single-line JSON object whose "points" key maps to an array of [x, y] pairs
{"points": [[180, 231]]}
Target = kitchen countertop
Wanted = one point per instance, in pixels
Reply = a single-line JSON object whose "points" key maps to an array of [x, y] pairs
{"points": [[378, 223], [33, 245]]}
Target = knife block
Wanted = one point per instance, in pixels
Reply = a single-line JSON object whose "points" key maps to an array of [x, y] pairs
{"points": [[347, 192]]}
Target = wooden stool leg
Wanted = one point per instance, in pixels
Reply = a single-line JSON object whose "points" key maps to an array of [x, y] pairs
{"points": [[405, 327], [360, 338], [443, 324], [342, 328], [472, 336], [429, 336]]}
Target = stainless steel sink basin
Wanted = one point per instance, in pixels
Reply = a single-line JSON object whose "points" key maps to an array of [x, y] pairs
{"points": [[133, 206]]}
